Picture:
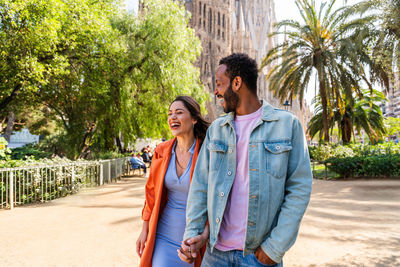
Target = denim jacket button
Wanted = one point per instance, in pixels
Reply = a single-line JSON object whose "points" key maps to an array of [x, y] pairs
{"points": [[217, 220], [222, 194], [230, 150], [278, 147], [229, 173]]}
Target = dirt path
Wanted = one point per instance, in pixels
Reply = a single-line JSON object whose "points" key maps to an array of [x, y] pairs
{"points": [[351, 223]]}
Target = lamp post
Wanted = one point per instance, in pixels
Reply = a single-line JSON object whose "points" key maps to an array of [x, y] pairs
{"points": [[287, 104]]}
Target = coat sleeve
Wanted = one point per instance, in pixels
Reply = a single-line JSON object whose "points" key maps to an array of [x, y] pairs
{"points": [[196, 209], [149, 190]]}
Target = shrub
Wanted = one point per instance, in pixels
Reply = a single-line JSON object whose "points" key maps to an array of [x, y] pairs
{"points": [[29, 150], [4, 150], [109, 155], [320, 153], [366, 166]]}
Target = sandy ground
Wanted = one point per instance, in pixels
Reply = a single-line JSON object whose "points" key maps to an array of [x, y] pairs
{"points": [[348, 223]]}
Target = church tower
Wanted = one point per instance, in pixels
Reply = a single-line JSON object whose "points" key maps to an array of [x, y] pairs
{"points": [[228, 26]]}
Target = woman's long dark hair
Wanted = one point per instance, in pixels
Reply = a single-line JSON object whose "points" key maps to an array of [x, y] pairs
{"points": [[200, 128]]}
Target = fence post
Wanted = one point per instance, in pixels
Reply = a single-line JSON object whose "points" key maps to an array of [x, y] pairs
{"points": [[42, 183], [115, 170], [120, 167], [11, 195], [109, 171], [73, 175], [101, 173]]}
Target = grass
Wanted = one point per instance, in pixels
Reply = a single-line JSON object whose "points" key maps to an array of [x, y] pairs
{"points": [[319, 172]]}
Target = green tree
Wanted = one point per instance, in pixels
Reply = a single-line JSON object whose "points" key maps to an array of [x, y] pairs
{"points": [[392, 126], [47, 45], [155, 64], [107, 76], [329, 44], [364, 115], [384, 33], [36, 39]]}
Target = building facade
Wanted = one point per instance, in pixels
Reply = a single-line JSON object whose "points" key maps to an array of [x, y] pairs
{"points": [[230, 26]]}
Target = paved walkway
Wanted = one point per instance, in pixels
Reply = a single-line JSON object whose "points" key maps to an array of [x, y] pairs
{"points": [[348, 223]]}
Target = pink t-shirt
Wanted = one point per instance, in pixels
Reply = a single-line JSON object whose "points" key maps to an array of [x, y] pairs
{"points": [[232, 233]]}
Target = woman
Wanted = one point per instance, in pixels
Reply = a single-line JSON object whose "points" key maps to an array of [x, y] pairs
{"points": [[168, 185]]}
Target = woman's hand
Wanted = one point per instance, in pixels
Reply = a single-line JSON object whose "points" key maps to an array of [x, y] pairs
{"points": [[141, 241], [190, 248]]}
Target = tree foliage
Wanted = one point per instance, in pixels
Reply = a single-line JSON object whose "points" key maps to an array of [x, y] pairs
{"points": [[364, 115], [384, 33], [393, 126], [105, 76], [330, 44]]}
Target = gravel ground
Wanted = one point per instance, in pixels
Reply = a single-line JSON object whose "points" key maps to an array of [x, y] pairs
{"points": [[348, 223]]}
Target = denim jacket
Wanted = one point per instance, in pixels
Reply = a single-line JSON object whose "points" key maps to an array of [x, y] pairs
{"points": [[280, 181]]}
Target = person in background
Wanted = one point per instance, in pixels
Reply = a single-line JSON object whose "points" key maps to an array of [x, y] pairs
{"points": [[166, 189], [145, 155], [137, 163]]}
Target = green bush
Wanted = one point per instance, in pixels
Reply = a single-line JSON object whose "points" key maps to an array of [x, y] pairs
{"points": [[4, 150], [323, 152], [29, 150], [320, 153], [108, 155], [384, 165]]}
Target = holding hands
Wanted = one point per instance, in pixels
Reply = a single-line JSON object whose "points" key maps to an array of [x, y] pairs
{"points": [[190, 248]]}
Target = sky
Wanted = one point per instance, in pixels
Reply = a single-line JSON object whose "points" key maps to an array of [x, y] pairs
{"points": [[132, 5], [284, 9]]}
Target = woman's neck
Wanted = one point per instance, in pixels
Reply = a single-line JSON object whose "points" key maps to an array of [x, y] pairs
{"points": [[184, 143]]}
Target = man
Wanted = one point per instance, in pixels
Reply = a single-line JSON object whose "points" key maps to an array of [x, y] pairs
{"points": [[145, 155], [137, 162], [252, 180]]}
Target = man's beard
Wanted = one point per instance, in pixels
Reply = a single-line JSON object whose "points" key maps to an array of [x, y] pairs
{"points": [[231, 100]]}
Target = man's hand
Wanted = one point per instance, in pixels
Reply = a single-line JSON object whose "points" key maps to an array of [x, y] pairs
{"points": [[184, 253], [190, 248], [262, 257]]}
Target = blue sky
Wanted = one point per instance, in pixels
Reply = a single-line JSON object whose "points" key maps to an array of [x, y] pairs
{"points": [[131, 4]]}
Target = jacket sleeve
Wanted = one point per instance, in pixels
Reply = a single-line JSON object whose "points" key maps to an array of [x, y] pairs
{"points": [[149, 190], [297, 195], [196, 209]]}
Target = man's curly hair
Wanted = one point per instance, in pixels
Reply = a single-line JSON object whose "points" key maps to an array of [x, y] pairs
{"points": [[242, 65]]}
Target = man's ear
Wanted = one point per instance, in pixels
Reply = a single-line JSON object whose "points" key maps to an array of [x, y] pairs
{"points": [[237, 84]]}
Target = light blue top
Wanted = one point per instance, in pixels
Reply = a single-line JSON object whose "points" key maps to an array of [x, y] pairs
{"points": [[172, 222], [280, 181]]}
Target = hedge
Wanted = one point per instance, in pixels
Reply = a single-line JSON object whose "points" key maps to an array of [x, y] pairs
{"points": [[366, 166]]}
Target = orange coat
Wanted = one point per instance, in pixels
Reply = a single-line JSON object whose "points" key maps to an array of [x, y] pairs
{"points": [[156, 195]]}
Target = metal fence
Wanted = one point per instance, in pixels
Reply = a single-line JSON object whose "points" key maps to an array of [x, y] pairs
{"points": [[24, 185]]}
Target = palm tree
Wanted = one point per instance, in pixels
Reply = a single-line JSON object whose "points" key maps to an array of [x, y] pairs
{"points": [[386, 37], [364, 115], [329, 44]]}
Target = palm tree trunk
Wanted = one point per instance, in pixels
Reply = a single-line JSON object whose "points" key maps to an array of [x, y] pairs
{"points": [[325, 117], [346, 127]]}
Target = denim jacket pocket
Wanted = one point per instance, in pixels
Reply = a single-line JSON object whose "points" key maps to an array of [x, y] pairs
{"points": [[217, 152], [277, 154]]}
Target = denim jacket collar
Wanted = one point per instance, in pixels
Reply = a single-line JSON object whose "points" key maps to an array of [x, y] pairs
{"points": [[268, 114]]}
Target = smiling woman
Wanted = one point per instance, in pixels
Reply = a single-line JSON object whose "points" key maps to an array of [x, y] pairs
{"points": [[168, 185]]}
